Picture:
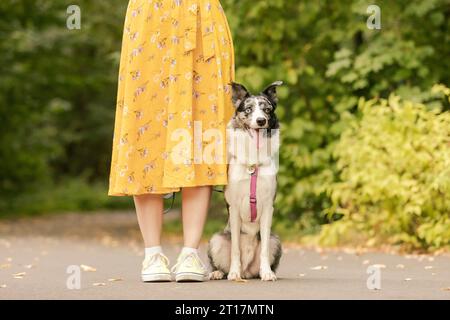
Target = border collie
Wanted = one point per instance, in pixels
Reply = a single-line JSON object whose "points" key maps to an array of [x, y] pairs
{"points": [[246, 248]]}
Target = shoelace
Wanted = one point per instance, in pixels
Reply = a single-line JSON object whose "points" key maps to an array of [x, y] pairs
{"points": [[189, 258], [153, 258]]}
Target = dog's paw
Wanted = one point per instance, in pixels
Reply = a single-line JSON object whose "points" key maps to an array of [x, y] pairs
{"points": [[234, 276], [216, 275], [268, 276]]}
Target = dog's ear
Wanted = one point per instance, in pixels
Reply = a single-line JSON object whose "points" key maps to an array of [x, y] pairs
{"points": [[271, 92], [239, 93]]}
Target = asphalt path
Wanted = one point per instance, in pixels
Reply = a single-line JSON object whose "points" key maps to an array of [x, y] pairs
{"points": [[99, 256]]}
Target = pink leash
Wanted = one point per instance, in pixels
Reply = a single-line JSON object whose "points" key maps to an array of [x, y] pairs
{"points": [[253, 180]]}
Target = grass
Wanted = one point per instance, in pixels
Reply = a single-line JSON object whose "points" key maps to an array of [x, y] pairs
{"points": [[74, 195]]}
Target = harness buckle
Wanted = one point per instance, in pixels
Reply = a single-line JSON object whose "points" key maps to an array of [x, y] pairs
{"points": [[251, 169]]}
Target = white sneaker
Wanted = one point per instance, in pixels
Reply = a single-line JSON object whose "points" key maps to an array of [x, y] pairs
{"points": [[156, 268], [190, 267]]}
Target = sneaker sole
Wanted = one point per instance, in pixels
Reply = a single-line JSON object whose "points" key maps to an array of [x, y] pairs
{"points": [[190, 277], [162, 277]]}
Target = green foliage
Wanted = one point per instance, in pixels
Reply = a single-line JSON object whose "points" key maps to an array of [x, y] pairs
{"points": [[329, 59], [57, 93], [69, 195], [58, 89], [394, 177]]}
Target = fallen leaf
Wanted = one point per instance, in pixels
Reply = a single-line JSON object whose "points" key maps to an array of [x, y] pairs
{"points": [[115, 280], [241, 280], [366, 262], [407, 279], [3, 286], [20, 274], [109, 241], [446, 289], [28, 266], [5, 266], [86, 268], [319, 268], [99, 284], [433, 274], [9, 259], [301, 275], [428, 267], [400, 266], [431, 259], [379, 266]]}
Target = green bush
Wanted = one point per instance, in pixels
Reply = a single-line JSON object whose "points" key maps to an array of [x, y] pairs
{"points": [[394, 177], [69, 195], [328, 59], [57, 92]]}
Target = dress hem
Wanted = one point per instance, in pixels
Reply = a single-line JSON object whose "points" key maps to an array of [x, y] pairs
{"points": [[175, 189]]}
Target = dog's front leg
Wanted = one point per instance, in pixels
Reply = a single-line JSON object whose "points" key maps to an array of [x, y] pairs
{"points": [[265, 272], [235, 229]]}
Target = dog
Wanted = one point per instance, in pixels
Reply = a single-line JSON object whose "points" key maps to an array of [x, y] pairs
{"points": [[247, 249]]}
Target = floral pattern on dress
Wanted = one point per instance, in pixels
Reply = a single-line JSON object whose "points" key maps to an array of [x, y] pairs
{"points": [[176, 66]]}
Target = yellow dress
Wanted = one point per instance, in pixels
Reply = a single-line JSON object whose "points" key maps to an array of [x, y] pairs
{"points": [[176, 66]]}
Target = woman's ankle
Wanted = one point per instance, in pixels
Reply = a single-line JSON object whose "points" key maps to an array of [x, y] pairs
{"points": [[150, 251]]}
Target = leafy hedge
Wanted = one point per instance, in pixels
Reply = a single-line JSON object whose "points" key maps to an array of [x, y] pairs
{"points": [[394, 177], [57, 98], [329, 60]]}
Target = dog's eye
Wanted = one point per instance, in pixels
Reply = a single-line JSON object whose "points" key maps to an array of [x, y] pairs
{"points": [[267, 110], [248, 110]]}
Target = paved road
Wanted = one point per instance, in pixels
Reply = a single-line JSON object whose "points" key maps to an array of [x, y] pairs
{"points": [[35, 254]]}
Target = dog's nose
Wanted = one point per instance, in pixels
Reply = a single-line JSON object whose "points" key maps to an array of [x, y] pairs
{"points": [[261, 121]]}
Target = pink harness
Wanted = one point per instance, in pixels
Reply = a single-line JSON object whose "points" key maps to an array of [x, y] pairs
{"points": [[253, 180]]}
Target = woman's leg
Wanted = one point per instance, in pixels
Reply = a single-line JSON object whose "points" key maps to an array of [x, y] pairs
{"points": [[149, 209], [195, 204]]}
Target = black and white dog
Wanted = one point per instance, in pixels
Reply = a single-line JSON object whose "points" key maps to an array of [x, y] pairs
{"points": [[247, 248]]}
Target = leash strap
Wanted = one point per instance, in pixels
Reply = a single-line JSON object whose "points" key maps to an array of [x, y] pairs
{"points": [[253, 211], [253, 185], [169, 196]]}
